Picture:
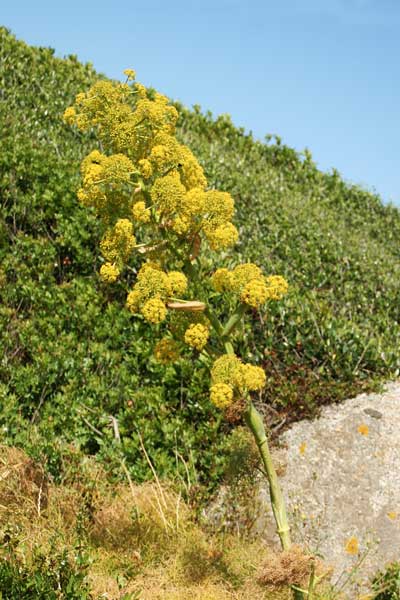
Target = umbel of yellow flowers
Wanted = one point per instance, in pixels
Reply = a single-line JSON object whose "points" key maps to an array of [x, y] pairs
{"points": [[151, 196]]}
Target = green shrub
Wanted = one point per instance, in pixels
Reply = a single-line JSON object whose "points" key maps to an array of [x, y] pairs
{"points": [[386, 585], [47, 575]]}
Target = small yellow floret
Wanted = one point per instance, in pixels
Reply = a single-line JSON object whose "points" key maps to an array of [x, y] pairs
{"points": [[133, 301], [130, 73], [167, 193], [253, 377], [221, 395], [109, 272], [363, 429], [80, 98], [255, 293], [196, 336], [351, 545], [224, 368], [219, 207], [180, 225], [277, 287], [194, 202], [229, 369], [82, 122], [140, 90], [243, 274], [152, 282], [70, 115], [142, 274], [224, 236], [154, 310], [178, 282], [221, 280], [191, 171], [166, 351], [118, 241], [140, 212], [146, 168]]}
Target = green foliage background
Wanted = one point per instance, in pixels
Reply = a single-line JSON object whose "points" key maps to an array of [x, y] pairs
{"points": [[72, 356]]}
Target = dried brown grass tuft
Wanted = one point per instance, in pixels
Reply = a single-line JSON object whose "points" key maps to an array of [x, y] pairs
{"points": [[145, 517], [290, 567], [21, 481], [165, 583]]}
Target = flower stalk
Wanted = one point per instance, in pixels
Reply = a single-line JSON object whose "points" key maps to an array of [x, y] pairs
{"points": [[255, 423]]}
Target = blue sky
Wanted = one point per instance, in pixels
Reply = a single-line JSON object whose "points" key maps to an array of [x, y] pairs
{"points": [[322, 74]]}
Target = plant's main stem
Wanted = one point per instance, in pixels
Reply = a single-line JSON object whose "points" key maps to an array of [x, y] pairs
{"points": [[255, 423]]}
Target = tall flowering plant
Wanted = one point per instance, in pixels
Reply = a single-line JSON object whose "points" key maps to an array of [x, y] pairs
{"points": [[151, 195]]}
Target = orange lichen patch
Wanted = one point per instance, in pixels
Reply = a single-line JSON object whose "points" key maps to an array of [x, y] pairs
{"points": [[302, 448], [392, 515], [351, 546], [363, 429]]}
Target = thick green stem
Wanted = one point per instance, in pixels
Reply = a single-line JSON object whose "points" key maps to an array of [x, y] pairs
{"points": [[255, 423], [229, 348], [214, 321], [233, 321]]}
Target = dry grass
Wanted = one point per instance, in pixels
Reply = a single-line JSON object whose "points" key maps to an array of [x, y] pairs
{"points": [[141, 539], [289, 567]]}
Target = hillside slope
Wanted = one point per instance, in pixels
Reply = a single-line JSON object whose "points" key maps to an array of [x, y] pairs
{"points": [[72, 357]]}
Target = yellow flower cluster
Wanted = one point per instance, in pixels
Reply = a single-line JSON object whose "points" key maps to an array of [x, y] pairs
{"points": [[139, 133], [118, 242], [145, 168], [130, 73], [178, 282], [168, 154], [223, 236], [102, 105], [248, 282], [166, 351], [123, 125], [152, 290], [221, 395], [70, 115], [229, 371], [194, 211], [154, 310], [196, 336], [140, 212], [167, 194], [109, 272], [277, 287], [107, 184], [221, 280]]}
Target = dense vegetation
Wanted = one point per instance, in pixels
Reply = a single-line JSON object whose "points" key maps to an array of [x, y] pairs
{"points": [[72, 359]]}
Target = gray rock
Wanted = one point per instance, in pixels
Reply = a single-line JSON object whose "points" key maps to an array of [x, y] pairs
{"points": [[341, 480]]}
